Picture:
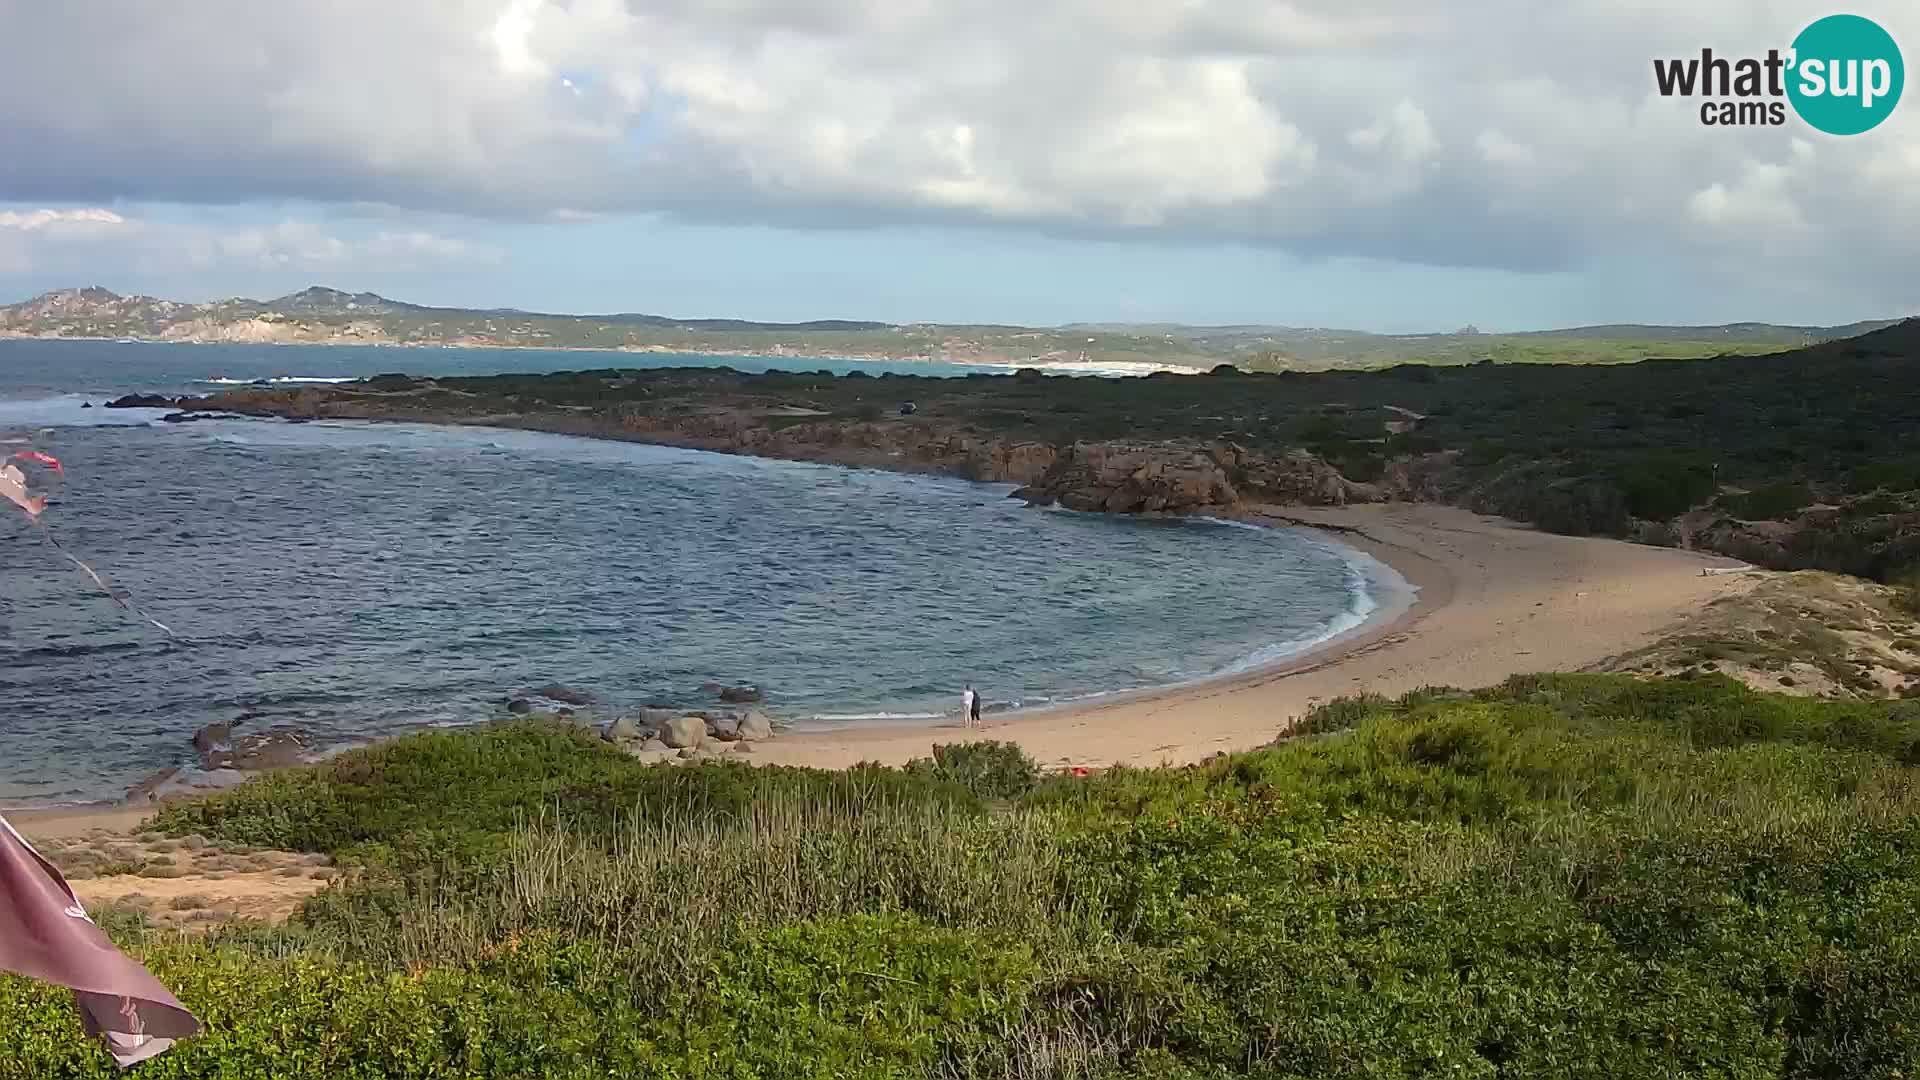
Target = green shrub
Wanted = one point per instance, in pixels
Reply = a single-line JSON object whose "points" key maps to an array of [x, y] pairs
{"points": [[1768, 503], [1340, 714], [1567, 875], [445, 794], [989, 769], [1660, 486], [1906, 590]]}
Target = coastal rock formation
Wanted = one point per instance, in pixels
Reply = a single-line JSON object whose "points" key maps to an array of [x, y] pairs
{"points": [[274, 748], [653, 719], [661, 735], [1105, 476], [754, 726], [145, 401], [190, 417], [739, 695], [684, 732], [211, 736], [1125, 478], [565, 695], [1297, 478]]}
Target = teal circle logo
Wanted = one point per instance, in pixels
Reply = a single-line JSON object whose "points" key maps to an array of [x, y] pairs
{"points": [[1846, 75]]}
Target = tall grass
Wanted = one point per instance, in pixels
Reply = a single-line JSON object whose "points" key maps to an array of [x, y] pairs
{"points": [[1568, 876], [673, 889]]}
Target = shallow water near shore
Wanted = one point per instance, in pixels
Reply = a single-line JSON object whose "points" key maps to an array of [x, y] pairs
{"points": [[361, 580]]}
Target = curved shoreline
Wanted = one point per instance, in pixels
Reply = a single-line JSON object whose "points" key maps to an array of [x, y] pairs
{"points": [[1395, 609], [1459, 607], [1495, 599]]}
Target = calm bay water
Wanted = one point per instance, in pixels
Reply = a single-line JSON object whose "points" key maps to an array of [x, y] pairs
{"points": [[360, 579]]}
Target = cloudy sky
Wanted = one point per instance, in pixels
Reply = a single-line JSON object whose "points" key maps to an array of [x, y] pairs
{"points": [[1384, 164]]}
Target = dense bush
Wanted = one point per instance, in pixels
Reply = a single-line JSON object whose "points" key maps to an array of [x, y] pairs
{"points": [[457, 794], [1660, 486], [989, 769], [1574, 875], [1768, 503]]}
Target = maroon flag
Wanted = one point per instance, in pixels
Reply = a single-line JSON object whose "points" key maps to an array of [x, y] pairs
{"points": [[45, 934]]}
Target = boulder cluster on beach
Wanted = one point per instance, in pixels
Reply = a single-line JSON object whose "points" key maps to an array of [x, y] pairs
{"points": [[667, 736], [660, 735]]}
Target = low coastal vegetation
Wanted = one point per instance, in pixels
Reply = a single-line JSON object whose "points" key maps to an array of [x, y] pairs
{"points": [[1566, 875], [1803, 459]]}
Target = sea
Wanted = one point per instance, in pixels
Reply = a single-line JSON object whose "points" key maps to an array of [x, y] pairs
{"points": [[359, 580]]}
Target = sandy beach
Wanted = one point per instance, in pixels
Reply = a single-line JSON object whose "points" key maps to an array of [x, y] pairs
{"points": [[1495, 599]]}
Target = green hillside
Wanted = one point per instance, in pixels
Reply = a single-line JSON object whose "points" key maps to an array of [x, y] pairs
{"points": [[1569, 876]]}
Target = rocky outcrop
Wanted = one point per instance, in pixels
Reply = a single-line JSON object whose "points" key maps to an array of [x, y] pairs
{"points": [[1124, 478], [274, 748], [190, 417], [684, 731], [1112, 477], [565, 695], [753, 726], [145, 401], [662, 736], [1296, 477]]}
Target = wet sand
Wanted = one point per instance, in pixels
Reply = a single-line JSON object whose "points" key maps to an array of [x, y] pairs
{"points": [[1495, 599]]}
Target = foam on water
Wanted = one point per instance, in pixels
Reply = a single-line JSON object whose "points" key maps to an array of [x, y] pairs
{"points": [[278, 379]]}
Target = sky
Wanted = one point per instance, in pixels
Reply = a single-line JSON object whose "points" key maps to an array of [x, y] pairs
{"points": [[1390, 165]]}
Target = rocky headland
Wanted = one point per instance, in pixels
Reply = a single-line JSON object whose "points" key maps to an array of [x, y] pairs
{"points": [[1794, 461]]}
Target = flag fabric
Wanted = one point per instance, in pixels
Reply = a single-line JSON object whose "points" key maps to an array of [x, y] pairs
{"points": [[46, 934]]}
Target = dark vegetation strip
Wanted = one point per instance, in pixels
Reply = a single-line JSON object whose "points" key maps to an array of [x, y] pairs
{"points": [[1805, 459]]}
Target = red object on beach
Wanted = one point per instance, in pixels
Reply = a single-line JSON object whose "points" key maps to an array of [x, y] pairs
{"points": [[1079, 770], [45, 934]]}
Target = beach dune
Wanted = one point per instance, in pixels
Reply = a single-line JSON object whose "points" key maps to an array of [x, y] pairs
{"points": [[1495, 599]]}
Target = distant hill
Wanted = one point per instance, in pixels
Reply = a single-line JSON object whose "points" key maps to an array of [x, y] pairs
{"points": [[321, 315], [1761, 333]]}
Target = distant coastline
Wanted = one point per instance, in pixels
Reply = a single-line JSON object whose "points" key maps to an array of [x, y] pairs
{"points": [[325, 316], [1114, 367]]}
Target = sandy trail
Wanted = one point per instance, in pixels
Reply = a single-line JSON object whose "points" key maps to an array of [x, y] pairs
{"points": [[1496, 599]]}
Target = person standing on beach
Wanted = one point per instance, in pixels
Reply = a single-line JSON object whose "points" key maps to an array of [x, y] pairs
{"points": [[977, 704], [968, 706]]}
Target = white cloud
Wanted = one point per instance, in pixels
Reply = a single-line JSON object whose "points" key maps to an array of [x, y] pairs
{"points": [[1404, 134], [416, 246], [85, 218], [1497, 149], [85, 238], [1486, 132], [511, 38]]}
